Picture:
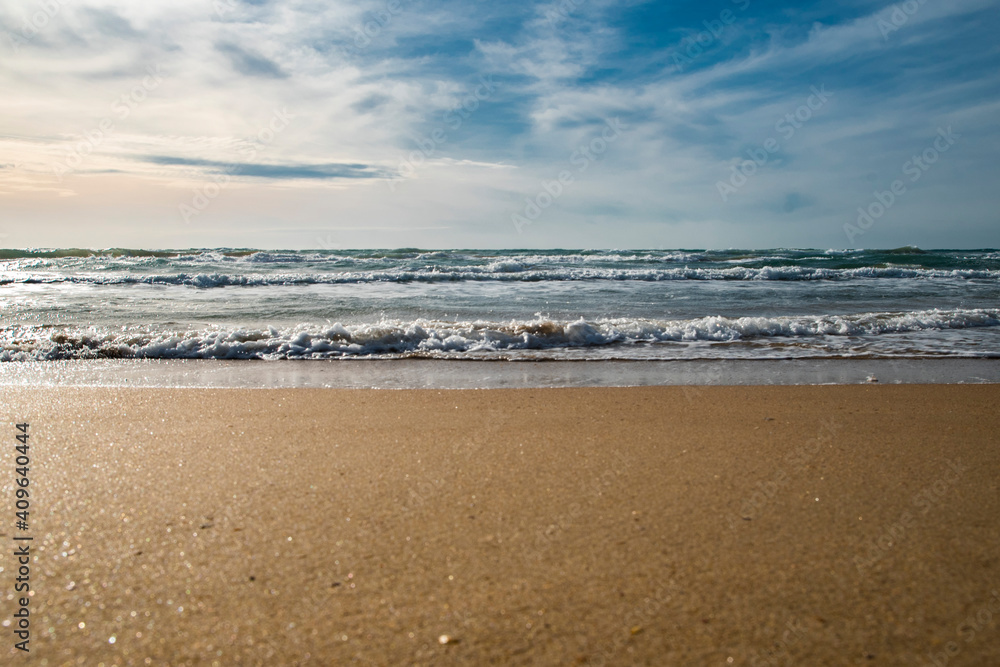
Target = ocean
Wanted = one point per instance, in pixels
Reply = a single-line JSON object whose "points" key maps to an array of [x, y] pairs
{"points": [[493, 305]]}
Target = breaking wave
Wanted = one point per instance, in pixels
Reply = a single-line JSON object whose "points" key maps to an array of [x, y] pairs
{"points": [[474, 339], [505, 271]]}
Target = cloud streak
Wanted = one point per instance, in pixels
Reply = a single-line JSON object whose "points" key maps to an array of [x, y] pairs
{"points": [[273, 171]]}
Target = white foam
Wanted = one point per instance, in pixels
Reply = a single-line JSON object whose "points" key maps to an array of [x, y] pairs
{"points": [[389, 338], [507, 270]]}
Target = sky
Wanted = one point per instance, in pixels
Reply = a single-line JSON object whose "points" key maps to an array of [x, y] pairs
{"points": [[441, 124]]}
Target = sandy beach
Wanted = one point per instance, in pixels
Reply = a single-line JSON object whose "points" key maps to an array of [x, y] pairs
{"points": [[835, 525]]}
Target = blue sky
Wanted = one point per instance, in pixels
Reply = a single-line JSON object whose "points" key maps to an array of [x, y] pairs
{"points": [[575, 123]]}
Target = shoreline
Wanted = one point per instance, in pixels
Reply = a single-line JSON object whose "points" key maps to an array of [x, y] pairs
{"points": [[656, 525], [494, 374]]}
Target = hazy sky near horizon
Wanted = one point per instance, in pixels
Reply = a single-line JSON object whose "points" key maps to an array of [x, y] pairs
{"points": [[574, 123]]}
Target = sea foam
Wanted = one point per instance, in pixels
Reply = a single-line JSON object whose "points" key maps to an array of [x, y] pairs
{"points": [[391, 339]]}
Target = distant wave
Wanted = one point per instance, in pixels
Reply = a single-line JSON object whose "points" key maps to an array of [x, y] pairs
{"points": [[393, 339], [56, 253], [223, 267], [509, 270], [577, 255]]}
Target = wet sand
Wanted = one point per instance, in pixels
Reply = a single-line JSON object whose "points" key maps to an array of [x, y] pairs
{"points": [[657, 525]]}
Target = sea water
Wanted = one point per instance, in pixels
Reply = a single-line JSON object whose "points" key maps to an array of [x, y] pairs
{"points": [[495, 305]]}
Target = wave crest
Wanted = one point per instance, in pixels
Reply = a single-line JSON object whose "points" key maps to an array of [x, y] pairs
{"points": [[508, 271], [392, 339]]}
